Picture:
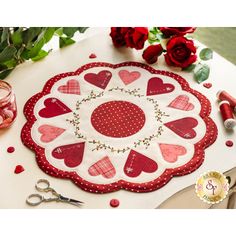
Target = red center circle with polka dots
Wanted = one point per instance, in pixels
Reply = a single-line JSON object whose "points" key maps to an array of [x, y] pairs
{"points": [[118, 119]]}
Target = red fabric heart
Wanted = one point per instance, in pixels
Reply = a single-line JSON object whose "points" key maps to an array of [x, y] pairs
{"points": [[183, 127], [103, 167], [171, 152], [207, 85], [92, 56], [72, 154], [100, 80], [182, 103], [19, 169], [71, 87], [129, 77], [156, 86], [53, 107], [49, 132], [137, 162]]}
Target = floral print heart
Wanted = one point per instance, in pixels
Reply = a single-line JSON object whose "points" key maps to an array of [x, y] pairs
{"points": [[72, 154], [182, 103], [103, 167], [129, 77], [171, 152], [183, 127], [53, 107], [137, 162], [71, 87], [100, 80], [49, 132], [156, 86]]}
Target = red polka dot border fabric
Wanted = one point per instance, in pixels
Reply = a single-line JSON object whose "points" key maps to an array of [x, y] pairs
{"points": [[126, 126]]}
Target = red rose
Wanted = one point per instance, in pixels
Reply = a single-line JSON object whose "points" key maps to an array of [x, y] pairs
{"points": [[169, 31], [152, 52], [180, 52], [136, 37], [118, 35]]}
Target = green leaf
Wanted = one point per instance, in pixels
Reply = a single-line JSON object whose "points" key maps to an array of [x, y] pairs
{"points": [[152, 38], [17, 37], [190, 68], [30, 35], [40, 55], [206, 54], [70, 31], [39, 43], [201, 73], [82, 29], [5, 34], [59, 31], [5, 73], [7, 54], [48, 34], [65, 41]]}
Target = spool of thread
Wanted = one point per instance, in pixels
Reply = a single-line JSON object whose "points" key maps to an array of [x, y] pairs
{"points": [[224, 96], [227, 115]]}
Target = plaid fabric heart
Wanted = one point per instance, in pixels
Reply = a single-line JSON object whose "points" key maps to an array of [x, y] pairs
{"points": [[103, 167], [182, 103], [71, 87]]}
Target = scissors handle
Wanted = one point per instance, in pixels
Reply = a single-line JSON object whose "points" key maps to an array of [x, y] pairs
{"points": [[34, 199], [42, 185]]}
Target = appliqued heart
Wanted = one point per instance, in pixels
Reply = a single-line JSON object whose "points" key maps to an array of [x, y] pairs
{"points": [[156, 86], [171, 152], [207, 85], [137, 162], [129, 77], [182, 103], [53, 107], [71, 87], [49, 133], [72, 154], [103, 167], [100, 80], [183, 127]]}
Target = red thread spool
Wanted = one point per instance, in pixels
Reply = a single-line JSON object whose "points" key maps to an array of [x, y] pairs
{"points": [[224, 96], [227, 115]]}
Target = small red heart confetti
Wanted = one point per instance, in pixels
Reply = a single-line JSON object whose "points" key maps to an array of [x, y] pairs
{"points": [[207, 85], [92, 56], [114, 203], [19, 169], [10, 149], [229, 143]]}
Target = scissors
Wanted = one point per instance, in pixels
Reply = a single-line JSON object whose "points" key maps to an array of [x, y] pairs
{"points": [[43, 185]]}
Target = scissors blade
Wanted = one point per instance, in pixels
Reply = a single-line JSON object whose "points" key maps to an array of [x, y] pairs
{"points": [[71, 201]]}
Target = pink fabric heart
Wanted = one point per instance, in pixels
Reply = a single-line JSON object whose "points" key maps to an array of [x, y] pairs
{"points": [[71, 87], [49, 133], [129, 77], [103, 167], [171, 152], [182, 103]]}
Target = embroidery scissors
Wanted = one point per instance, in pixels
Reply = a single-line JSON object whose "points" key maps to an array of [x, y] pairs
{"points": [[43, 185]]}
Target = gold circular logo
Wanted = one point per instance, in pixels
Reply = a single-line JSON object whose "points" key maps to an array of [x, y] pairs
{"points": [[212, 187]]}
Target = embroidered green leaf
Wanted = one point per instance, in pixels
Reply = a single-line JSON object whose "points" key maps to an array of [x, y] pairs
{"points": [[206, 54], [201, 73]]}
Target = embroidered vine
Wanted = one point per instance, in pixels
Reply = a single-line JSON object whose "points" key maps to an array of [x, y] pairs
{"points": [[98, 145]]}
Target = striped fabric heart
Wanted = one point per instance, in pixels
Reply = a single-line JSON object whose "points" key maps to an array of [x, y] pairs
{"points": [[103, 167], [182, 103]]}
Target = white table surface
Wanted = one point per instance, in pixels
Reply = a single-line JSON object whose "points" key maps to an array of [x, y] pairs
{"points": [[29, 78]]}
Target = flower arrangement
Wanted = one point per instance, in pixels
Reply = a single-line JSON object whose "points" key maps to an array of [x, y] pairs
{"points": [[174, 43]]}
